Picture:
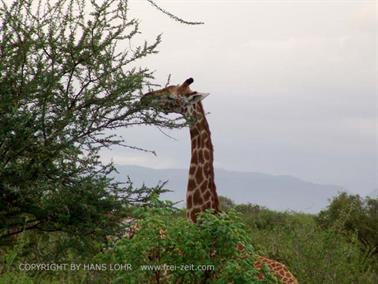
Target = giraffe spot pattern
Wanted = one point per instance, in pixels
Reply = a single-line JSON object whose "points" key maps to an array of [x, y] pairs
{"points": [[206, 155], [207, 195], [192, 171], [197, 197], [201, 157], [194, 143], [189, 201], [199, 175], [191, 184], [203, 187]]}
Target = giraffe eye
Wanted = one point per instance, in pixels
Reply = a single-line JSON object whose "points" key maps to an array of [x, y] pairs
{"points": [[191, 94], [194, 98]]}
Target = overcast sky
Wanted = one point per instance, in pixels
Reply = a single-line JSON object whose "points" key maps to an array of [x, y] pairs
{"points": [[293, 87]]}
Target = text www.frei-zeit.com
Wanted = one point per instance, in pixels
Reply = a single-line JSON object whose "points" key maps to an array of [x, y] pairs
{"points": [[174, 267]]}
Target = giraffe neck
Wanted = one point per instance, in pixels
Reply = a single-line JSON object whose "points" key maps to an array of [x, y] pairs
{"points": [[201, 193]]}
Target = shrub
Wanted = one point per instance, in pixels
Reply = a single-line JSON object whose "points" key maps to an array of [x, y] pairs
{"points": [[353, 215], [163, 240], [314, 254]]}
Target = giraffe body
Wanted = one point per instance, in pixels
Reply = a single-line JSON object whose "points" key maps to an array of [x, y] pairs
{"points": [[277, 268], [201, 190]]}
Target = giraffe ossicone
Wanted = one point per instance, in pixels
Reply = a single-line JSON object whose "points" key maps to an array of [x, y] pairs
{"points": [[201, 189]]}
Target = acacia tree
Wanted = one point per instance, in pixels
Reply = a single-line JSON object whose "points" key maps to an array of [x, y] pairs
{"points": [[65, 81]]}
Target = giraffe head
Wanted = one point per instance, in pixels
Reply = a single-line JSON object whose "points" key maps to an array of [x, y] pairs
{"points": [[174, 99]]}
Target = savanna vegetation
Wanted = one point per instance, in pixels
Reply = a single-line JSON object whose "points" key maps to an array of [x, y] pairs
{"points": [[167, 248], [66, 84]]}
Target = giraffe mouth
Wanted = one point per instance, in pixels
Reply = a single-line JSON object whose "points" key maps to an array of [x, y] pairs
{"points": [[165, 103]]}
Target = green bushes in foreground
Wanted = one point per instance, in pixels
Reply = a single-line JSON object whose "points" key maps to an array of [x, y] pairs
{"points": [[167, 248], [313, 252], [190, 253]]}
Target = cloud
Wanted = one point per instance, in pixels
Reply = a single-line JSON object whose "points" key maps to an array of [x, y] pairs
{"points": [[293, 86]]}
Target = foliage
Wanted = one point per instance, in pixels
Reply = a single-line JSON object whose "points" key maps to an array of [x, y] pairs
{"points": [[165, 242], [225, 203], [196, 253], [65, 83], [313, 253], [354, 216]]}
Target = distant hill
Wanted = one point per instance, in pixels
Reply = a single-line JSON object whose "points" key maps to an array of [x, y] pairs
{"points": [[277, 192]]}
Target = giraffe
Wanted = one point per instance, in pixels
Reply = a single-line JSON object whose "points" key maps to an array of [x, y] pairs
{"points": [[201, 188]]}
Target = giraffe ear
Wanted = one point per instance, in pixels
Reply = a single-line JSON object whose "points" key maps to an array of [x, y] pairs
{"points": [[197, 97]]}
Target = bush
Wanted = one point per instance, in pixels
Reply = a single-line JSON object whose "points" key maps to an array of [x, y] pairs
{"points": [[163, 240], [353, 215], [314, 254]]}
